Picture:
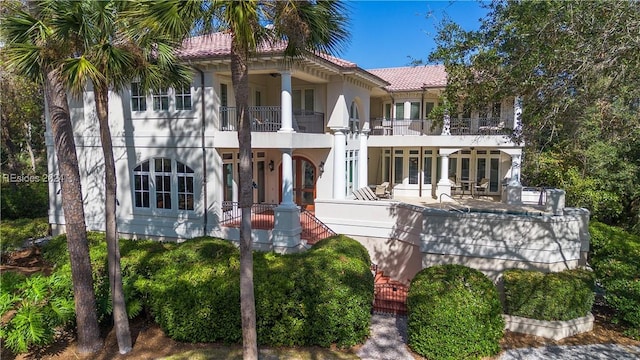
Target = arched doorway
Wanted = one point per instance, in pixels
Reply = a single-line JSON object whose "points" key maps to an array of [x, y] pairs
{"points": [[304, 182]]}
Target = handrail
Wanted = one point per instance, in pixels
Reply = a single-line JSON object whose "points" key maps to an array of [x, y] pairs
{"points": [[261, 215], [313, 234], [465, 207]]}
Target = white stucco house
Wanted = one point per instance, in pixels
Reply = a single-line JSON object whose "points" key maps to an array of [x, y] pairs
{"points": [[322, 128]]}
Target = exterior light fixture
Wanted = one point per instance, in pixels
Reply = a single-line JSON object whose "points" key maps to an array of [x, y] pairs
{"points": [[271, 165], [321, 167]]}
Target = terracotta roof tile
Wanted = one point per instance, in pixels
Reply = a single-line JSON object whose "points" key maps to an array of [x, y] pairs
{"points": [[219, 45], [412, 78]]}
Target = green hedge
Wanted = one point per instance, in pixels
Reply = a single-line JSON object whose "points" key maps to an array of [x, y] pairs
{"points": [[13, 233], [24, 200], [564, 295], [454, 312], [319, 297], [615, 258]]}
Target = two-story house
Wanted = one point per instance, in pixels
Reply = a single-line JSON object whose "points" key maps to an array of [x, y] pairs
{"points": [[322, 127]]}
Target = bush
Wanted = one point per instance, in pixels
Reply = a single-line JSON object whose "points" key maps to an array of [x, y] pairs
{"points": [[564, 295], [324, 296], [615, 258], [41, 304], [454, 312], [24, 200], [320, 297], [14, 232], [56, 253]]}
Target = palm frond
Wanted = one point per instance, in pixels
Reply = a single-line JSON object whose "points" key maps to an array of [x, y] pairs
{"points": [[77, 71]]}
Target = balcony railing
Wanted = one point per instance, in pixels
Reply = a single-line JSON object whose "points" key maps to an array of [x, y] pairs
{"points": [[269, 119], [458, 126]]}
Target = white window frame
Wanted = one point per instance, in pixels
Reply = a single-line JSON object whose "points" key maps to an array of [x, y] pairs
{"points": [[183, 95], [157, 97], [138, 97], [154, 178]]}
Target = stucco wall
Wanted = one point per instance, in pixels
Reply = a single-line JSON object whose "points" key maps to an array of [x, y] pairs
{"points": [[402, 239]]}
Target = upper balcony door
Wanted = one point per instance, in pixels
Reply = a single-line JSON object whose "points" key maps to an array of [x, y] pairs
{"points": [[304, 182], [304, 100]]}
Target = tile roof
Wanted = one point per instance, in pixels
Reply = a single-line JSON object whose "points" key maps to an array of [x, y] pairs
{"points": [[412, 78], [219, 45]]}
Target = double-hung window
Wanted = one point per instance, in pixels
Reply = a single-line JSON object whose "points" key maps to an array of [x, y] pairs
{"points": [[183, 98], [160, 100], [138, 98]]}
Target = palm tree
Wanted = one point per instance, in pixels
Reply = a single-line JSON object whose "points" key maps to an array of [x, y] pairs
{"points": [[34, 50], [111, 53], [306, 26]]}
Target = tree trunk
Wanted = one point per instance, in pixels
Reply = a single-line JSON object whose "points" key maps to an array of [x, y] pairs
{"points": [[120, 319], [32, 156], [89, 340], [240, 79]]}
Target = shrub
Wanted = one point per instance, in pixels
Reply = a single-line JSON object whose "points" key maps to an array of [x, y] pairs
{"points": [[564, 295], [327, 296], [454, 312], [14, 232], [56, 253], [615, 258], [24, 200], [320, 297], [195, 296], [41, 304]]}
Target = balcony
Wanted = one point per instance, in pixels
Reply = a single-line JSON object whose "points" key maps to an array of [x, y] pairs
{"points": [[458, 126], [269, 119]]}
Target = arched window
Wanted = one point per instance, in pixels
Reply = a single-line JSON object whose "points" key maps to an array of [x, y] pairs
{"points": [[354, 118], [163, 183]]}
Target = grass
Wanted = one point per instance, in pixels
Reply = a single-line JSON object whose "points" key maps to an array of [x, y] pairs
{"points": [[13, 233]]}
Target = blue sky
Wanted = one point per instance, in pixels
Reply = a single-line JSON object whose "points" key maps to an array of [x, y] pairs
{"points": [[388, 33]]}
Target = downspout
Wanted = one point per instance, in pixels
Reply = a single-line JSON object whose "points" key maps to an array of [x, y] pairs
{"points": [[204, 153], [420, 171]]}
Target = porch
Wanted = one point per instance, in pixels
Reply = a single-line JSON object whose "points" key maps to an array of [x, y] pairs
{"points": [[263, 218], [269, 119], [458, 126]]}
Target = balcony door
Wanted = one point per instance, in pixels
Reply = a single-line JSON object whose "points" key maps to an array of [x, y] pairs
{"points": [[304, 182]]}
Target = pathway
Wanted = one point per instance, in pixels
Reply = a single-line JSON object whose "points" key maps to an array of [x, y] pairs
{"points": [[387, 340]]}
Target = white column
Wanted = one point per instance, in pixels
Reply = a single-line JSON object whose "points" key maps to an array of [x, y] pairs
{"points": [[512, 194], [363, 161], [285, 236], [339, 159], [287, 179], [517, 113], [286, 105], [515, 170], [444, 186], [446, 124]]}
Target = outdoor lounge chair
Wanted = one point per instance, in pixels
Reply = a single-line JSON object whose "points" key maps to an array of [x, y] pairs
{"points": [[364, 193], [382, 191]]}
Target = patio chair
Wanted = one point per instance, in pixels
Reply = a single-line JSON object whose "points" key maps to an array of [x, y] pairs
{"points": [[482, 187], [382, 190], [455, 186]]}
